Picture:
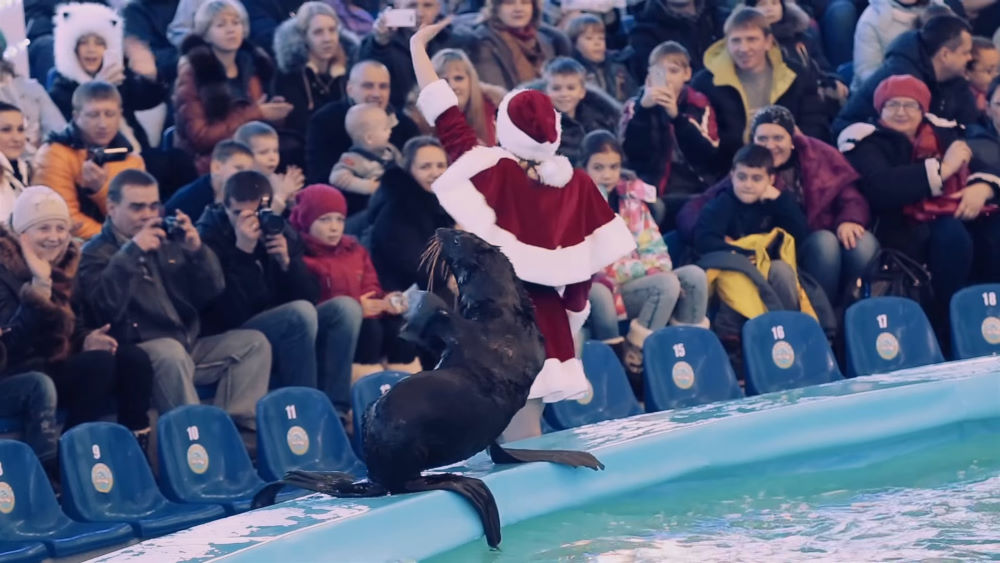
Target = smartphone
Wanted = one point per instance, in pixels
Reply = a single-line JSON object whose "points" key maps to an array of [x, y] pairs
{"points": [[405, 17], [657, 76]]}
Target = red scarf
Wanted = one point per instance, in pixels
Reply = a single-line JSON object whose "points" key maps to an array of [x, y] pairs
{"points": [[927, 145]]}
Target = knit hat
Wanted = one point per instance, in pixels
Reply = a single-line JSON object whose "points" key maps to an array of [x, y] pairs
{"points": [[37, 204], [902, 86], [778, 115], [529, 127], [313, 202]]}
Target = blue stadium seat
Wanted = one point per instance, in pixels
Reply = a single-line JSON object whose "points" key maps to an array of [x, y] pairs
{"points": [[202, 459], [22, 552], [975, 322], [884, 334], [297, 428], [29, 511], [786, 350], [363, 393], [686, 366], [106, 478], [612, 396]]}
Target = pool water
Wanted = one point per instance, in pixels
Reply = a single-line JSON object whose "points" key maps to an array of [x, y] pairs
{"points": [[932, 495]]}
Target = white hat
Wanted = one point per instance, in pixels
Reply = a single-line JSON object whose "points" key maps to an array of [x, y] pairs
{"points": [[37, 204]]}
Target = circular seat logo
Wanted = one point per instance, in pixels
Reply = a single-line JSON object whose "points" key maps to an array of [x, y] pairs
{"points": [[991, 330], [887, 346], [298, 440], [197, 458], [782, 354], [6, 498], [102, 478], [683, 375]]}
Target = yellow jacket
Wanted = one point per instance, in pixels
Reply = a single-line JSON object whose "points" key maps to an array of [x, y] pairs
{"points": [[740, 292]]}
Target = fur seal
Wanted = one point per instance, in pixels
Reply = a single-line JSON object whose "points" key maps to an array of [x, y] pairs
{"points": [[492, 351]]}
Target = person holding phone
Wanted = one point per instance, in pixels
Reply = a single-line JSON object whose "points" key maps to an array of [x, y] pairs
{"points": [[389, 41], [222, 81]]}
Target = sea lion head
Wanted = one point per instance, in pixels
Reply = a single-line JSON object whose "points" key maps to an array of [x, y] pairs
{"points": [[483, 274]]}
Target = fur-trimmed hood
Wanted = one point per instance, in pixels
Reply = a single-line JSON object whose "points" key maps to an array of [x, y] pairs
{"points": [[73, 21], [210, 76]]}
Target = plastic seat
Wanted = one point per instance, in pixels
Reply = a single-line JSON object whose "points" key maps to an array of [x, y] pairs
{"points": [[106, 478], [686, 366], [202, 459], [885, 334], [612, 395], [297, 428], [22, 552], [363, 393], [975, 322], [29, 511], [786, 350]]}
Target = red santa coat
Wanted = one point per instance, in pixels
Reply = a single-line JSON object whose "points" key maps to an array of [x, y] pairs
{"points": [[556, 237]]}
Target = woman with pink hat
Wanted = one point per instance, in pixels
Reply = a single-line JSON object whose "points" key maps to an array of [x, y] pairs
{"points": [[928, 194], [548, 219]]}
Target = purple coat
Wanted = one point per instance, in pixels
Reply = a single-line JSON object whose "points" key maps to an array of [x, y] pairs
{"points": [[828, 186]]}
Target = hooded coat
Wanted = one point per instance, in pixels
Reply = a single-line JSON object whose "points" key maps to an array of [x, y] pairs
{"points": [[73, 21], [881, 23], [950, 100], [206, 110], [658, 23]]}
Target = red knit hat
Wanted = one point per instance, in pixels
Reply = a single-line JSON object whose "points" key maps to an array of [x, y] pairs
{"points": [[313, 202], [529, 127], [902, 86]]}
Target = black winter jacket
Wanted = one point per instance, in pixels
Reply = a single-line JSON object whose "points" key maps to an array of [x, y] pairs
{"points": [[148, 21], [659, 23], [145, 295], [254, 282], [727, 216], [951, 99]]}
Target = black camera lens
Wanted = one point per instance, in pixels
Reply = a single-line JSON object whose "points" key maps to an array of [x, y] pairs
{"points": [[173, 229], [270, 222]]}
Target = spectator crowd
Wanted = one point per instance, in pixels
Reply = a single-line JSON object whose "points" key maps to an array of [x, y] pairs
{"points": [[238, 194]]}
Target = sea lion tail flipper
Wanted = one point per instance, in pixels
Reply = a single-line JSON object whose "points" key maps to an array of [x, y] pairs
{"points": [[473, 490], [571, 458]]}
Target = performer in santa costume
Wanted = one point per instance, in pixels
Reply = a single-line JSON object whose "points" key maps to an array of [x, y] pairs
{"points": [[548, 219]]}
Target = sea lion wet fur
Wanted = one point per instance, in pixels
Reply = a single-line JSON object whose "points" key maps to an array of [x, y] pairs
{"points": [[492, 352]]}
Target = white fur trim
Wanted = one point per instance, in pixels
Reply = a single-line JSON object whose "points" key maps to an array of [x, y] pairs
{"points": [[555, 171], [940, 121], [560, 381], [577, 318], [519, 143], [435, 99], [991, 179], [933, 167], [551, 267], [73, 21], [852, 134]]}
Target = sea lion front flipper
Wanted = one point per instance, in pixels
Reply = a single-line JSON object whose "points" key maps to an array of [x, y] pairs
{"points": [[267, 495], [429, 323], [571, 458], [470, 488]]}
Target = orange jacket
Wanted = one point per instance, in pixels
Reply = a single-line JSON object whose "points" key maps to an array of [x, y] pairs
{"points": [[59, 166]]}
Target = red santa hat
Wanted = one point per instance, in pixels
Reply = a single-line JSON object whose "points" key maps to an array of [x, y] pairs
{"points": [[529, 127]]}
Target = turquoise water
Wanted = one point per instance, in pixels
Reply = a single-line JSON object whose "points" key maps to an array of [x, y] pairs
{"points": [[927, 496]]}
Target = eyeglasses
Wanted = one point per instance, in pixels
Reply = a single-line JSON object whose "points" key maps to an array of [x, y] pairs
{"points": [[896, 105]]}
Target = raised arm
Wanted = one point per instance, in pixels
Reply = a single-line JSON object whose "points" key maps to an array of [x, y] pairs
{"points": [[422, 67]]}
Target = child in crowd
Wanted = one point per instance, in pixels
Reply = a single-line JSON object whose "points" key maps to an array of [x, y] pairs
{"points": [[583, 109], [587, 34], [228, 158], [263, 142], [344, 267], [359, 171], [752, 205], [982, 69], [669, 132], [642, 286]]}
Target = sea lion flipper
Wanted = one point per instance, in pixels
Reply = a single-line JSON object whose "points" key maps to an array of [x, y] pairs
{"points": [[473, 490], [571, 458], [267, 495]]}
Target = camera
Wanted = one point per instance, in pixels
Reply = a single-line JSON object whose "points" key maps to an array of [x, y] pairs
{"points": [[101, 155], [174, 231], [271, 223]]}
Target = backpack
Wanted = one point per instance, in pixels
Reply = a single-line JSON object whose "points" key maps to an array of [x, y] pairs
{"points": [[891, 272]]}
